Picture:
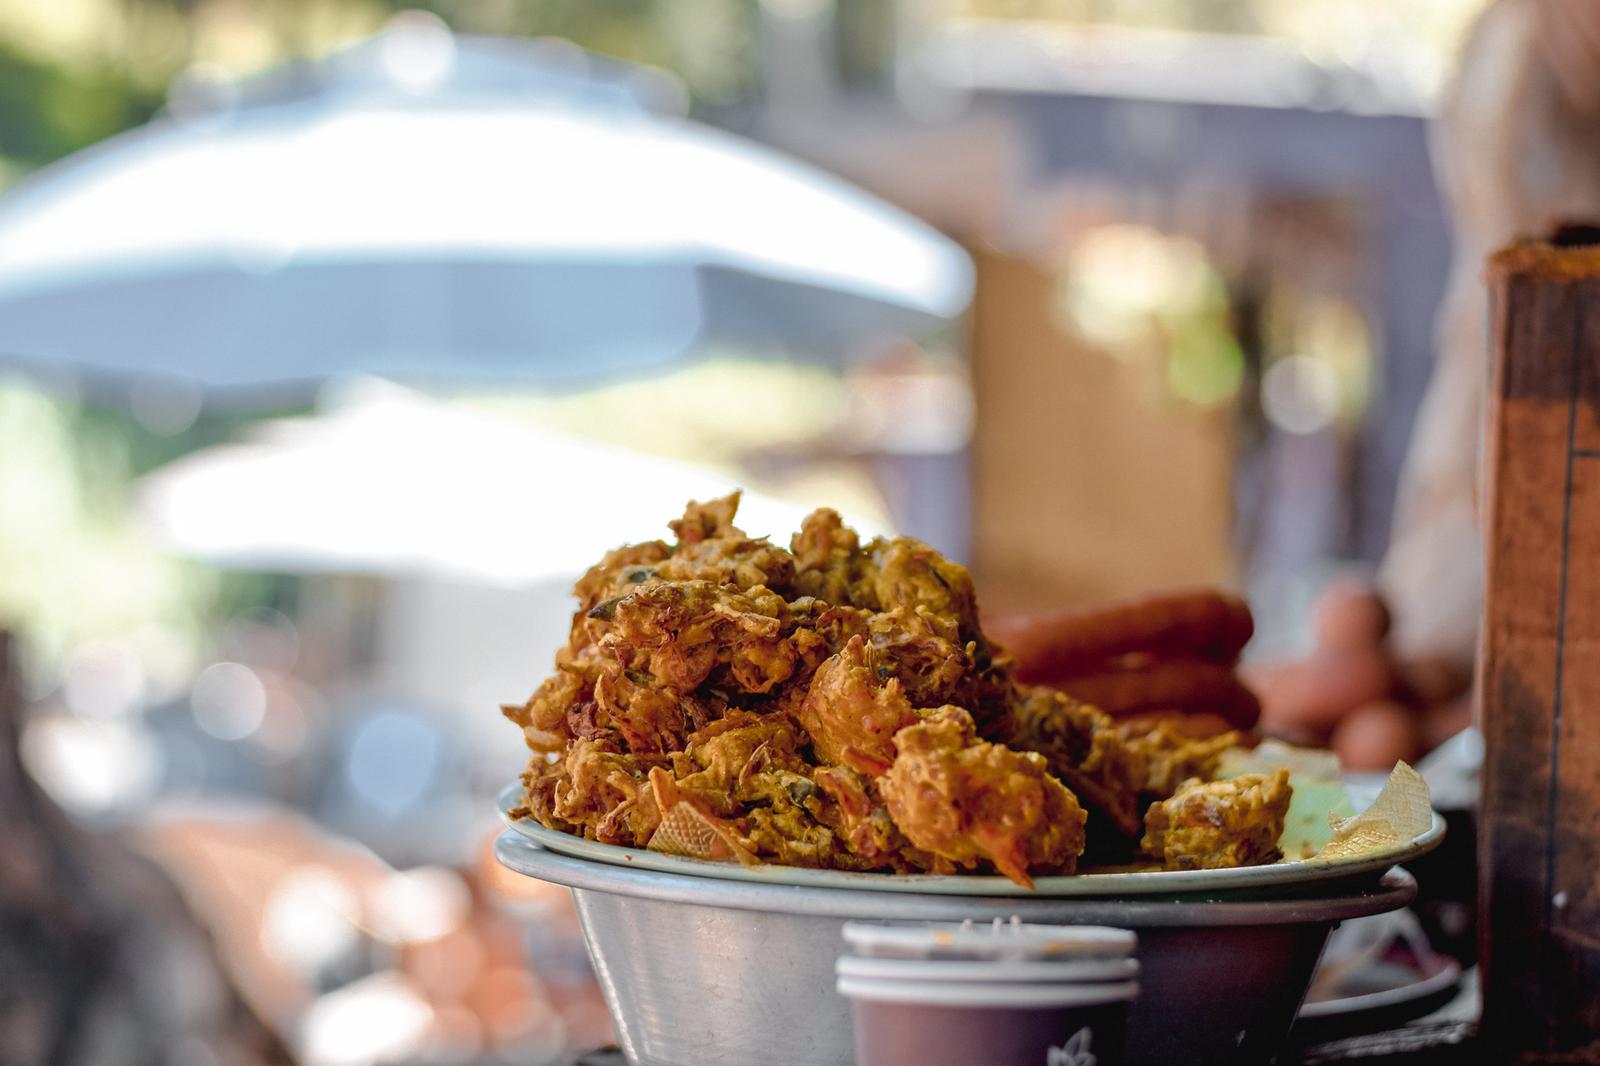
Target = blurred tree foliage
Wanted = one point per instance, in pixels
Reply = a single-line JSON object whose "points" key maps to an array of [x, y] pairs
{"points": [[710, 44], [75, 564], [75, 71], [48, 109]]}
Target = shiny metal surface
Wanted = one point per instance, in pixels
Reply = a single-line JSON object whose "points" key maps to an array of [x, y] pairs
{"points": [[1314, 877], [704, 972]]}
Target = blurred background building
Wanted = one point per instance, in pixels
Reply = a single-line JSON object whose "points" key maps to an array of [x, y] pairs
{"points": [[1095, 295]]}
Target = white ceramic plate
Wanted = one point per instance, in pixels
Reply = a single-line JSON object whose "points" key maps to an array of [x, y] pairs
{"points": [[1159, 882]]}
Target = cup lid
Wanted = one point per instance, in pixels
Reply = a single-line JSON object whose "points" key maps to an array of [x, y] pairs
{"points": [[1067, 970], [986, 996], [998, 940]]}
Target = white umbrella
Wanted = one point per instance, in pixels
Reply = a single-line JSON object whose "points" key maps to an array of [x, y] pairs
{"points": [[395, 483], [444, 208]]}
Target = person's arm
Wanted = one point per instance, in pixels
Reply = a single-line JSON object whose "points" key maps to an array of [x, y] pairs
{"points": [[1517, 149]]}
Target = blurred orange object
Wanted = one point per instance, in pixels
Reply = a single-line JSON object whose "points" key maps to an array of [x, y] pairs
{"points": [[1372, 737], [1171, 654], [231, 864]]}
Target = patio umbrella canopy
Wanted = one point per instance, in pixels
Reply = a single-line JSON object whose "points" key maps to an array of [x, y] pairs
{"points": [[450, 209], [393, 483]]}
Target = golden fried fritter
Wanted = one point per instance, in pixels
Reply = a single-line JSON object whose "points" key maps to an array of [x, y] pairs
{"points": [[723, 758], [712, 520], [868, 838], [621, 570], [1082, 748], [853, 708], [725, 697], [970, 801], [1168, 757], [1208, 825], [832, 625], [543, 718], [746, 769], [908, 573], [648, 718], [829, 562], [680, 631], [711, 548], [922, 650], [596, 792], [889, 572]]}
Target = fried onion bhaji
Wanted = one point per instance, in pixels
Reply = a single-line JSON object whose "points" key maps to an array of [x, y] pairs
{"points": [[1083, 749], [1167, 756], [968, 800], [1209, 825], [852, 712], [679, 632], [594, 791], [829, 563], [835, 704]]}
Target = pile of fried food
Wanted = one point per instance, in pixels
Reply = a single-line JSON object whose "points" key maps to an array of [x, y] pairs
{"points": [[837, 705]]}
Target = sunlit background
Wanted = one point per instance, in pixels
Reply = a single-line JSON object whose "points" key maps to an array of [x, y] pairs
{"points": [[267, 599]]}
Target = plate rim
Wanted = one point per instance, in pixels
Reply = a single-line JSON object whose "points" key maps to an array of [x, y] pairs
{"points": [[1448, 975], [1100, 885]]}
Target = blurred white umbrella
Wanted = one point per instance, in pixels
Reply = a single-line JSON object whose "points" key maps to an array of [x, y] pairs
{"points": [[395, 483], [436, 207]]}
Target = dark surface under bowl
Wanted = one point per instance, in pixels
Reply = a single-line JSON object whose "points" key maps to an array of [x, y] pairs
{"points": [[706, 972]]}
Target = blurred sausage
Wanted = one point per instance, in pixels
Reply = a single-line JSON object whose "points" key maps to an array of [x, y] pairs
{"points": [[1181, 685], [1205, 625]]}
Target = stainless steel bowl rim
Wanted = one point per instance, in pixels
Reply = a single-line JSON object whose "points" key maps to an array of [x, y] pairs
{"points": [[1395, 889]]}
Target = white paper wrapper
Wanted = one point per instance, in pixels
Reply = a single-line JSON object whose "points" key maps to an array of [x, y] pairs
{"points": [[1321, 822], [1402, 811]]}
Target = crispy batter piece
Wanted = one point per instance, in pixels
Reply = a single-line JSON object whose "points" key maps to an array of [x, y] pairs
{"points": [[853, 709], [711, 548], [922, 650], [970, 801], [1082, 748], [543, 718], [1167, 756], [1208, 825], [866, 831], [829, 562], [680, 631], [723, 697], [594, 791], [650, 719], [908, 573]]}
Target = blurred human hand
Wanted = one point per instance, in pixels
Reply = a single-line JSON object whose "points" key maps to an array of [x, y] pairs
{"points": [[1353, 695]]}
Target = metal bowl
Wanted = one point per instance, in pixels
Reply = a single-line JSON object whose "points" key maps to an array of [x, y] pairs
{"points": [[699, 971]]}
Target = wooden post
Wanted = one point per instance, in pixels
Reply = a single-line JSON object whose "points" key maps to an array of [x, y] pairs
{"points": [[1539, 671]]}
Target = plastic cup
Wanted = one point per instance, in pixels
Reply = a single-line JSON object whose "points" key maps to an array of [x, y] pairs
{"points": [[946, 1023], [986, 971], [998, 940], [949, 994]]}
